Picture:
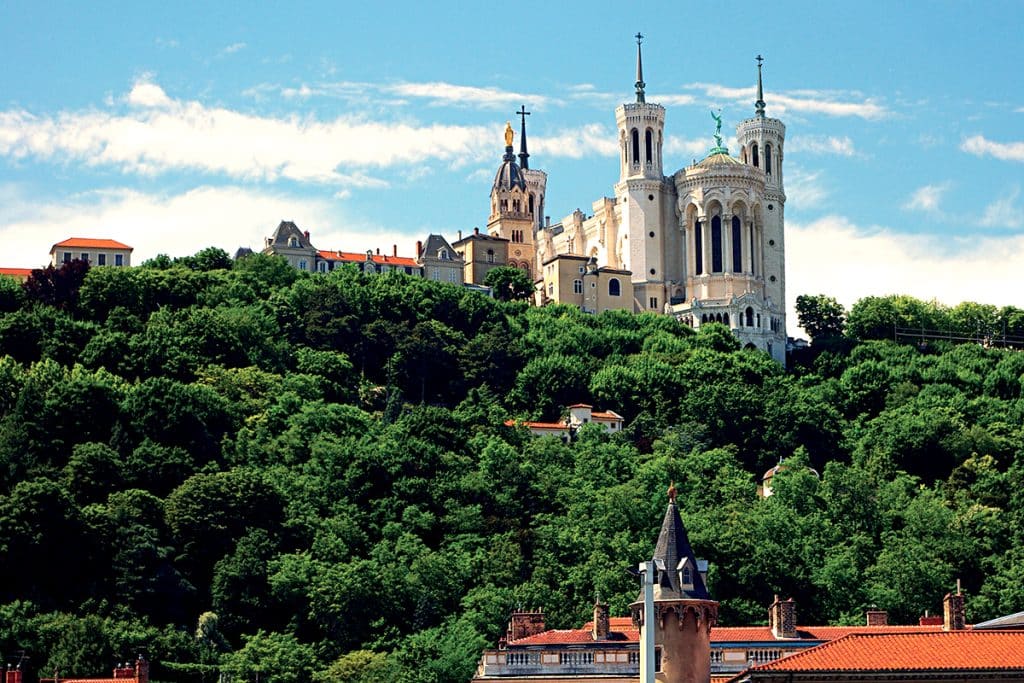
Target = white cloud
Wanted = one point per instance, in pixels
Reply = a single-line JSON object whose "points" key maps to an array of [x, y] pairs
{"points": [[927, 197], [836, 257], [439, 92], [806, 189], [821, 144], [806, 101], [226, 217], [147, 94], [233, 48], [1004, 212], [696, 148], [979, 145], [576, 143]]}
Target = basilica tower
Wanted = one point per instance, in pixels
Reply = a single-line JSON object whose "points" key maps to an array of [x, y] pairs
{"points": [[643, 194], [683, 611], [761, 141], [513, 205]]}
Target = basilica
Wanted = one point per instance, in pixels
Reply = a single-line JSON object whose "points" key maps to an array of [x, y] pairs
{"points": [[704, 243]]}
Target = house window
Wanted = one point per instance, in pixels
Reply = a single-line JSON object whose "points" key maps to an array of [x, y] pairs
{"points": [[654, 303], [614, 288], [322, 266], [118, 259], [303, 264], [67, 257], [551, 289], [577, 286], [293, 242], [435, 274], [85, 256], [443, 254], [490, 256], [101, 259]]}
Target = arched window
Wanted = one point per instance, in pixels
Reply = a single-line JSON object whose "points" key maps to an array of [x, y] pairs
{"points": [[687, 576], [442, 254], [753, 262], [716, 244], [490, 256], [768, 158], [649, 147], [753, 151], [725, 319], [737, 246], [703, 318], [614, 288], [531, 203], [750, 316], [293, 241], [698, 248], [635, 139]]}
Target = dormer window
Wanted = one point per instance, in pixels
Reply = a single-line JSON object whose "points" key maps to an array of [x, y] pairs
{"points": [[442, 254], [685, 570], [293, 241]]}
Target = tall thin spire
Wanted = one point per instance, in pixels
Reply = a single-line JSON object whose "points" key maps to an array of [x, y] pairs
{"points": [[639, 70], [759, 105], [524, 156]]}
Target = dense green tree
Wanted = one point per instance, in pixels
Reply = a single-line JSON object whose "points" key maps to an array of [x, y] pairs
{"points": [[509, 283], [821, 316]]}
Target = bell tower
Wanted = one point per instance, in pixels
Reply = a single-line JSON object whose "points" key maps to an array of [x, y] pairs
{"points": [[642, 193], [762, 140], [513, 205]]}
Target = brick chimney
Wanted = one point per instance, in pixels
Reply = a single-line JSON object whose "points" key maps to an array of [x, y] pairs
{"points": [[306, 233], [419, 248], [13, 675], [394, 250], [141, 670], [877, 617], [953, 618], [476, 231], [524, 624], [602, 621], [782, 618]]}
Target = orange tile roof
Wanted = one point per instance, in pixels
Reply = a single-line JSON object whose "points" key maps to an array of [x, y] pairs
{"points": [[538, 425], [609, 415], [91, 243], [941, 651], [16, 272], [356, 257]]}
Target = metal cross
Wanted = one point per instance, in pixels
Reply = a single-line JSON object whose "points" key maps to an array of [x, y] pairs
{"points": [[639, 37], [759, 60], [523, 113]]}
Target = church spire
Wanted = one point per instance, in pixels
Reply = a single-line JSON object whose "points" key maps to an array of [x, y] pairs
{"points": [[524, 156], [639, 70], [759, 105]]}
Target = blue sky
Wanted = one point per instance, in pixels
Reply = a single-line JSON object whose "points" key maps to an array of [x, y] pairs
{"points": [[175, 126]]}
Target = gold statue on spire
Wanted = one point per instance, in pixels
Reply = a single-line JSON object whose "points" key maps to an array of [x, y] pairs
{"points": [[508, 134]]}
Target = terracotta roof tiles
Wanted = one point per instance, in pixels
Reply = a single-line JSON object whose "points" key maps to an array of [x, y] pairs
{"points": [[90, 243], [356, 257]]}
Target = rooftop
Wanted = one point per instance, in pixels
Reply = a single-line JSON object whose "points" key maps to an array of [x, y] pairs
{"points": [[91, 243]]}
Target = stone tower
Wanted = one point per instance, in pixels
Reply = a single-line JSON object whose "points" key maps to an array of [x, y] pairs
{"points": [[513, 206], [643, 193], [684, 612], [762, 140]]}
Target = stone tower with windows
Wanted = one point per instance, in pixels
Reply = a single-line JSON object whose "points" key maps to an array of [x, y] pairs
{"points": [[684, 612], [514, 204], [643, 194]]}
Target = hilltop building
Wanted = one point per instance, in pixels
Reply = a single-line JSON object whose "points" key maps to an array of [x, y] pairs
{"points": [[705, 243], [578, 415], [96, 252]]}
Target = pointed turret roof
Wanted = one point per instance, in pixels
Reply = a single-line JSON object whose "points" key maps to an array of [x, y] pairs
{"points": [[524, 156], [673, 554], [759, 105]]}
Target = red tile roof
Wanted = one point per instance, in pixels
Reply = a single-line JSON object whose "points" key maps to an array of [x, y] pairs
{"points": [[538, 425], [356, 257], [90, 243], [16, 272], [609, 415], [941, 651]]}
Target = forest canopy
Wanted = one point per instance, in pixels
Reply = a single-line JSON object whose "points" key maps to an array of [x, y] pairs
{"points": [[234, 467]]}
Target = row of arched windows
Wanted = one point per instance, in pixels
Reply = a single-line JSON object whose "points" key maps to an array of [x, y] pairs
{"points": [[634, 139], [715, 318], [755, 157], [718, 256]]}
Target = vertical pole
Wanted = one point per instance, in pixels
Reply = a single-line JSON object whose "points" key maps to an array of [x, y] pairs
{"points": [[647, 640]]}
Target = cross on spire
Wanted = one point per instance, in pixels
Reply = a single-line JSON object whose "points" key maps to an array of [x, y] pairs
{"points": [[524, 156], [639, 69]]}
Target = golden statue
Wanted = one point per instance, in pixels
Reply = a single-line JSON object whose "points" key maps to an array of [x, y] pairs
{"points": [[508, 134]]}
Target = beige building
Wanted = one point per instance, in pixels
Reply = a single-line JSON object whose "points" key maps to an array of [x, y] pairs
{"points": [[578, 415], [440, 261], [97, 252], [481, 253], [577, 280]]}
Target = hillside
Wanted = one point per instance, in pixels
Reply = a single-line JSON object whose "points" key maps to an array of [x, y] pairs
{"points": [[236, 467]]}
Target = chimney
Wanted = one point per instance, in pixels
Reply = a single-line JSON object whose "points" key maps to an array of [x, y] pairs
{"points": [[306, 233], [378, 251], [460, 234], [953, 618], [782, 618], [524, 624], [476, 231], [547, 221], [877, 617], [13, 675], [394, 250], [141, 670], [602, 623], [419, 248]]}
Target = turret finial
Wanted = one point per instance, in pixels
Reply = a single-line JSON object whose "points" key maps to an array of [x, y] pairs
{"points": [[524, 156], [672, 493], [759, 105], [639, 70]]}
